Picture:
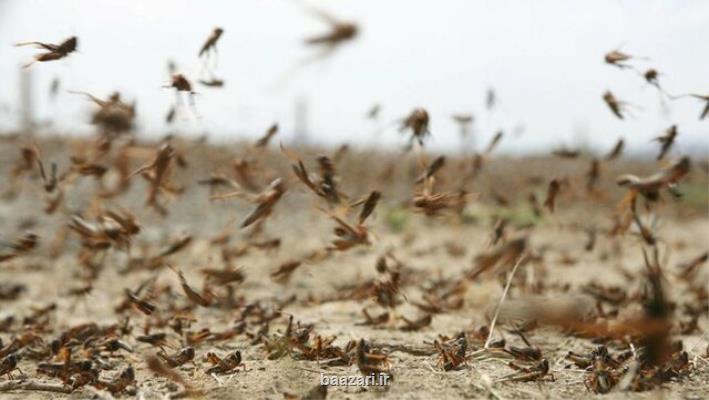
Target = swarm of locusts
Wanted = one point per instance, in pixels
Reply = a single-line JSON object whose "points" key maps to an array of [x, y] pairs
{"points": [[210, 266]]}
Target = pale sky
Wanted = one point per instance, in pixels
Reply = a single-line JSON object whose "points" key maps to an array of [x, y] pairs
{"points": [[544, 58]]}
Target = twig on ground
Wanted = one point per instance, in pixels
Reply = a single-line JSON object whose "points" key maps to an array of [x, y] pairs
{"points": [[502, 299], [33, 385]]}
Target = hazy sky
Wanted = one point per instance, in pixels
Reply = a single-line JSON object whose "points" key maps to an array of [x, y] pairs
{"points": [[544, 58]]}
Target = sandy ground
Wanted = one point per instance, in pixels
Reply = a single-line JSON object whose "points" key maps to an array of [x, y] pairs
{"points": [[424, 245]]}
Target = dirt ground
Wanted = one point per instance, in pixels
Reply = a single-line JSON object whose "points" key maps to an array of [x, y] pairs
{"points": [[430, 248]]}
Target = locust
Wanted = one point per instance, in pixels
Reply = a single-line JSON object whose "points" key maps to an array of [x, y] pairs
{"points": [[181, 84], [156, 173], [552, 192], [113, 115], [224, 276], [225, 365], [325, 186], [340, 32], [666, 141], [170, 114], [210, 45], [592, 234], [212, 82], [504, 255], [371, 363], [53, 51], [490, 99], [158, 367], [616, 151], [11, 291], [265, 201], [436, 165], [54, 88], [689, 268], [452, 355], [51, 183], [616, 106], [155, 339], [649, 187], [651, 76], [418, 123], [283, 273], [114, 228], [270, 133], [9, 364], [120, 383], [183, 356], [415, 325], [349, 235], [373, 112], [243, 175], [566, 153], [428, 200], [204, 300], [375, 320], [20, 246], [536, 372], [618, 59], [494, 142], [498, 231], [593, 174]]}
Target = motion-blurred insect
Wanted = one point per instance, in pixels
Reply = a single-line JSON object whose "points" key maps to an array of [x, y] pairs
{"points": [[209, 47], [505, 255], [651, 77], [490, 99], [616, 106], [283, 273], [435, 166], [19, 246], [349, 235], [552, 192], [566, 153], [158, 367], [594, 172], [212, 82], [54, 88], [649, 187], [616, 151], [340, 32], [270, 133], [618, 59], [494, 142], [9, 364], [183, 356], [156, 172], [113, 116], [204, 300], [373, 112], [265, 201], [54, 51], [182, 86], [226, 365], [666, 141], [417, 122]]}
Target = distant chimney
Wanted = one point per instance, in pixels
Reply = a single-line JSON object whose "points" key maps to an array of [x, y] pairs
{"points": [[301, 122], [26, 100]]}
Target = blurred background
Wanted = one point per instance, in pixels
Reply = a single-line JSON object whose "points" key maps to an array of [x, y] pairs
{"points": [[542, 59]]}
